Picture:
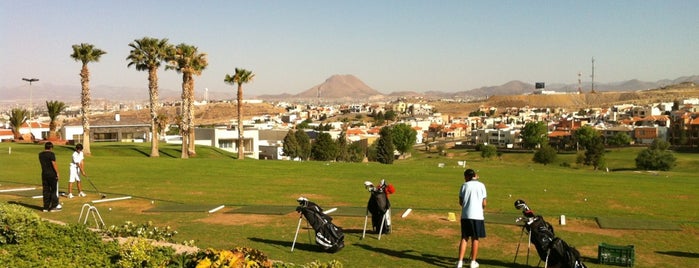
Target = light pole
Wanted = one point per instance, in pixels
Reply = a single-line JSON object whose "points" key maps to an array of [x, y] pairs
{"points": [[31, 107]]}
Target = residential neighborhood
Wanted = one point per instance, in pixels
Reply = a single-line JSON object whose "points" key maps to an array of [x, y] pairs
{"points": [[675, 121]]}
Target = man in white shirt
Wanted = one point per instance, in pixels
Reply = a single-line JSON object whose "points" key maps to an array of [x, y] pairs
{"points": [[77, 167], [472, 198]]}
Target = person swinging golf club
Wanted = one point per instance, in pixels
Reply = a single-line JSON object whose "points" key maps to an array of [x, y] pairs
{"points": [[77, 167], [472, 198]]}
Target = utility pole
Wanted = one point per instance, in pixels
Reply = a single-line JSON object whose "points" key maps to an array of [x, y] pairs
{"points": [[31, 106], [593, 75], [579, 83]]}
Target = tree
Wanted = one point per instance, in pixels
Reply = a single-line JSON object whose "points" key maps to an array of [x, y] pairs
{"points": [[147, 54], [488, 151], [384, 146], [188, 61], [356, 153], [656, 157], [304, 151], [594, 154], [404, 137], [534, 134], [240, 77], [379, 118], [545, 155], [390, 115], [305, 124], [584, 136], [54, 108], [342, 147], [324, 148], [17, 118], [86, 53], [291, 145], [620, 139]]}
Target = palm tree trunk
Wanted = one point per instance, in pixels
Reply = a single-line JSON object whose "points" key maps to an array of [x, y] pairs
{"points": [[153, 90], [192, 150], [184, 125], [85, 107], [241, 143]]}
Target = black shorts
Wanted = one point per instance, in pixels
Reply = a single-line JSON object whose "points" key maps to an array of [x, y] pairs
{"points": [[472, 228]]}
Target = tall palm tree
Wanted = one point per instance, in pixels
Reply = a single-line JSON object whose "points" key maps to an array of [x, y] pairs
{"points": [[54, 108], [241, 77], [188, 61], [86, 53], [146, 55], [17, 118]]}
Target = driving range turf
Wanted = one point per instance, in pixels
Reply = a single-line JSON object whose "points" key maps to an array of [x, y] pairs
{"points": [[654, 211]]}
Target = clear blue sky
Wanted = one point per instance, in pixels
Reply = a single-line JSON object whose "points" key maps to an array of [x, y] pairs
{"points": [[390, 45]]}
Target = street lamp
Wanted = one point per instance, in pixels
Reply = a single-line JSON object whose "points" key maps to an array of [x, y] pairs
{"points": [[31, 107]]}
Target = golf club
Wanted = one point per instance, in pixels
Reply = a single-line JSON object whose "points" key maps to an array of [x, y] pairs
{"points": [[93, 186]]}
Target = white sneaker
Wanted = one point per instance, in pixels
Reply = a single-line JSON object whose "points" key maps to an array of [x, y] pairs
{"points": [[59, 206], [70, 195], [459, 264], [474, 264], [81, 194]]}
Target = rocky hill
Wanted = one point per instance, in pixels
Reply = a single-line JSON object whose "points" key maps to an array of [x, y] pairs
{"points": [[576, 101]]}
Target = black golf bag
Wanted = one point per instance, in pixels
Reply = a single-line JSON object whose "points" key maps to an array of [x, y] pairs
{"points": [[379, 206], [328, 235], [552, 250]]}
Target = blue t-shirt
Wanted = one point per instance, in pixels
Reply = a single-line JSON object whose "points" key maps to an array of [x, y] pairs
{"points": [[472, 193]]}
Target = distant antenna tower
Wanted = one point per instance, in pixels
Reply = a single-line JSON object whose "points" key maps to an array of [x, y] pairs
{"points": [[580, 83], [593, 75]]}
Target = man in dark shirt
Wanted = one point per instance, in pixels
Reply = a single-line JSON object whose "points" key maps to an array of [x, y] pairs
{"points": [[49, 178]]}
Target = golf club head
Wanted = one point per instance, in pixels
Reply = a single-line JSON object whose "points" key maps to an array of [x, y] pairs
{"points": [[520, 204]]}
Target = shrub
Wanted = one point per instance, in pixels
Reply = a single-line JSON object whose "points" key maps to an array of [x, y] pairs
{"points": [[17, 224], [140, 252], [144, 230]]}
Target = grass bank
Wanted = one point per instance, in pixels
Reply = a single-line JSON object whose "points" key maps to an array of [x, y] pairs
{"points": [[424, 239]]}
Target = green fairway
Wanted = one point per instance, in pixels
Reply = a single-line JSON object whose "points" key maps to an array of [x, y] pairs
{"points": [[260, 197]]}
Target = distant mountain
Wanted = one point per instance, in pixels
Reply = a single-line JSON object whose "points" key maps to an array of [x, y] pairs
{"points": [[336, 88], [339, 86]]}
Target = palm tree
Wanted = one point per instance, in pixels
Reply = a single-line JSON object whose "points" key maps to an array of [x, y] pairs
{"points": [[54, 108], [241, 77], [147, 54], [86, 53], [188, 61], [17, 118]]}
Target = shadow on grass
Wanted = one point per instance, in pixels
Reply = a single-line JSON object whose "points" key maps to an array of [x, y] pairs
{"points": [[140, 151], [435, 260], [26, 205], [680, 254], [287, 244]]}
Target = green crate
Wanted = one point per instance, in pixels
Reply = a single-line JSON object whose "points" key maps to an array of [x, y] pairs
{"points": [[615, 255]]}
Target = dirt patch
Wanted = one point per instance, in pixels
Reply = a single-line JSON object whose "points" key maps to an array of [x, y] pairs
{"points": [[233, 219]]}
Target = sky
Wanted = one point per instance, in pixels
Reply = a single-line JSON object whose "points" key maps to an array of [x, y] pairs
{"points": [[391, 45]]}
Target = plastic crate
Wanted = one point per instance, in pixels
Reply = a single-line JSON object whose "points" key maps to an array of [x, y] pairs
{"points": [[615, 255]]}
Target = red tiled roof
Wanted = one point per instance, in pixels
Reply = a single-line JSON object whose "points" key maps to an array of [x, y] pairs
{"points": [[558, 133], [354, 131]]}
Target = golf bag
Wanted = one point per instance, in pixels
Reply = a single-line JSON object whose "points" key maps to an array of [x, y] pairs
{"points": [[379, 205], [552, 250], [328, 235]]}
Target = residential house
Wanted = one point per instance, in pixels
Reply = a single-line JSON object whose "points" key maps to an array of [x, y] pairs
{"points": [[36, 130], [226, 139], [117, 128], [271, 143]]}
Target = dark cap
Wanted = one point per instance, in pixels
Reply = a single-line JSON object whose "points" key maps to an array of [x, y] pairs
{"points": [[469, 173]]}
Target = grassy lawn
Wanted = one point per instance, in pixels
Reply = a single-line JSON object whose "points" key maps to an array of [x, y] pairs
{"points": [[423, 239]]}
